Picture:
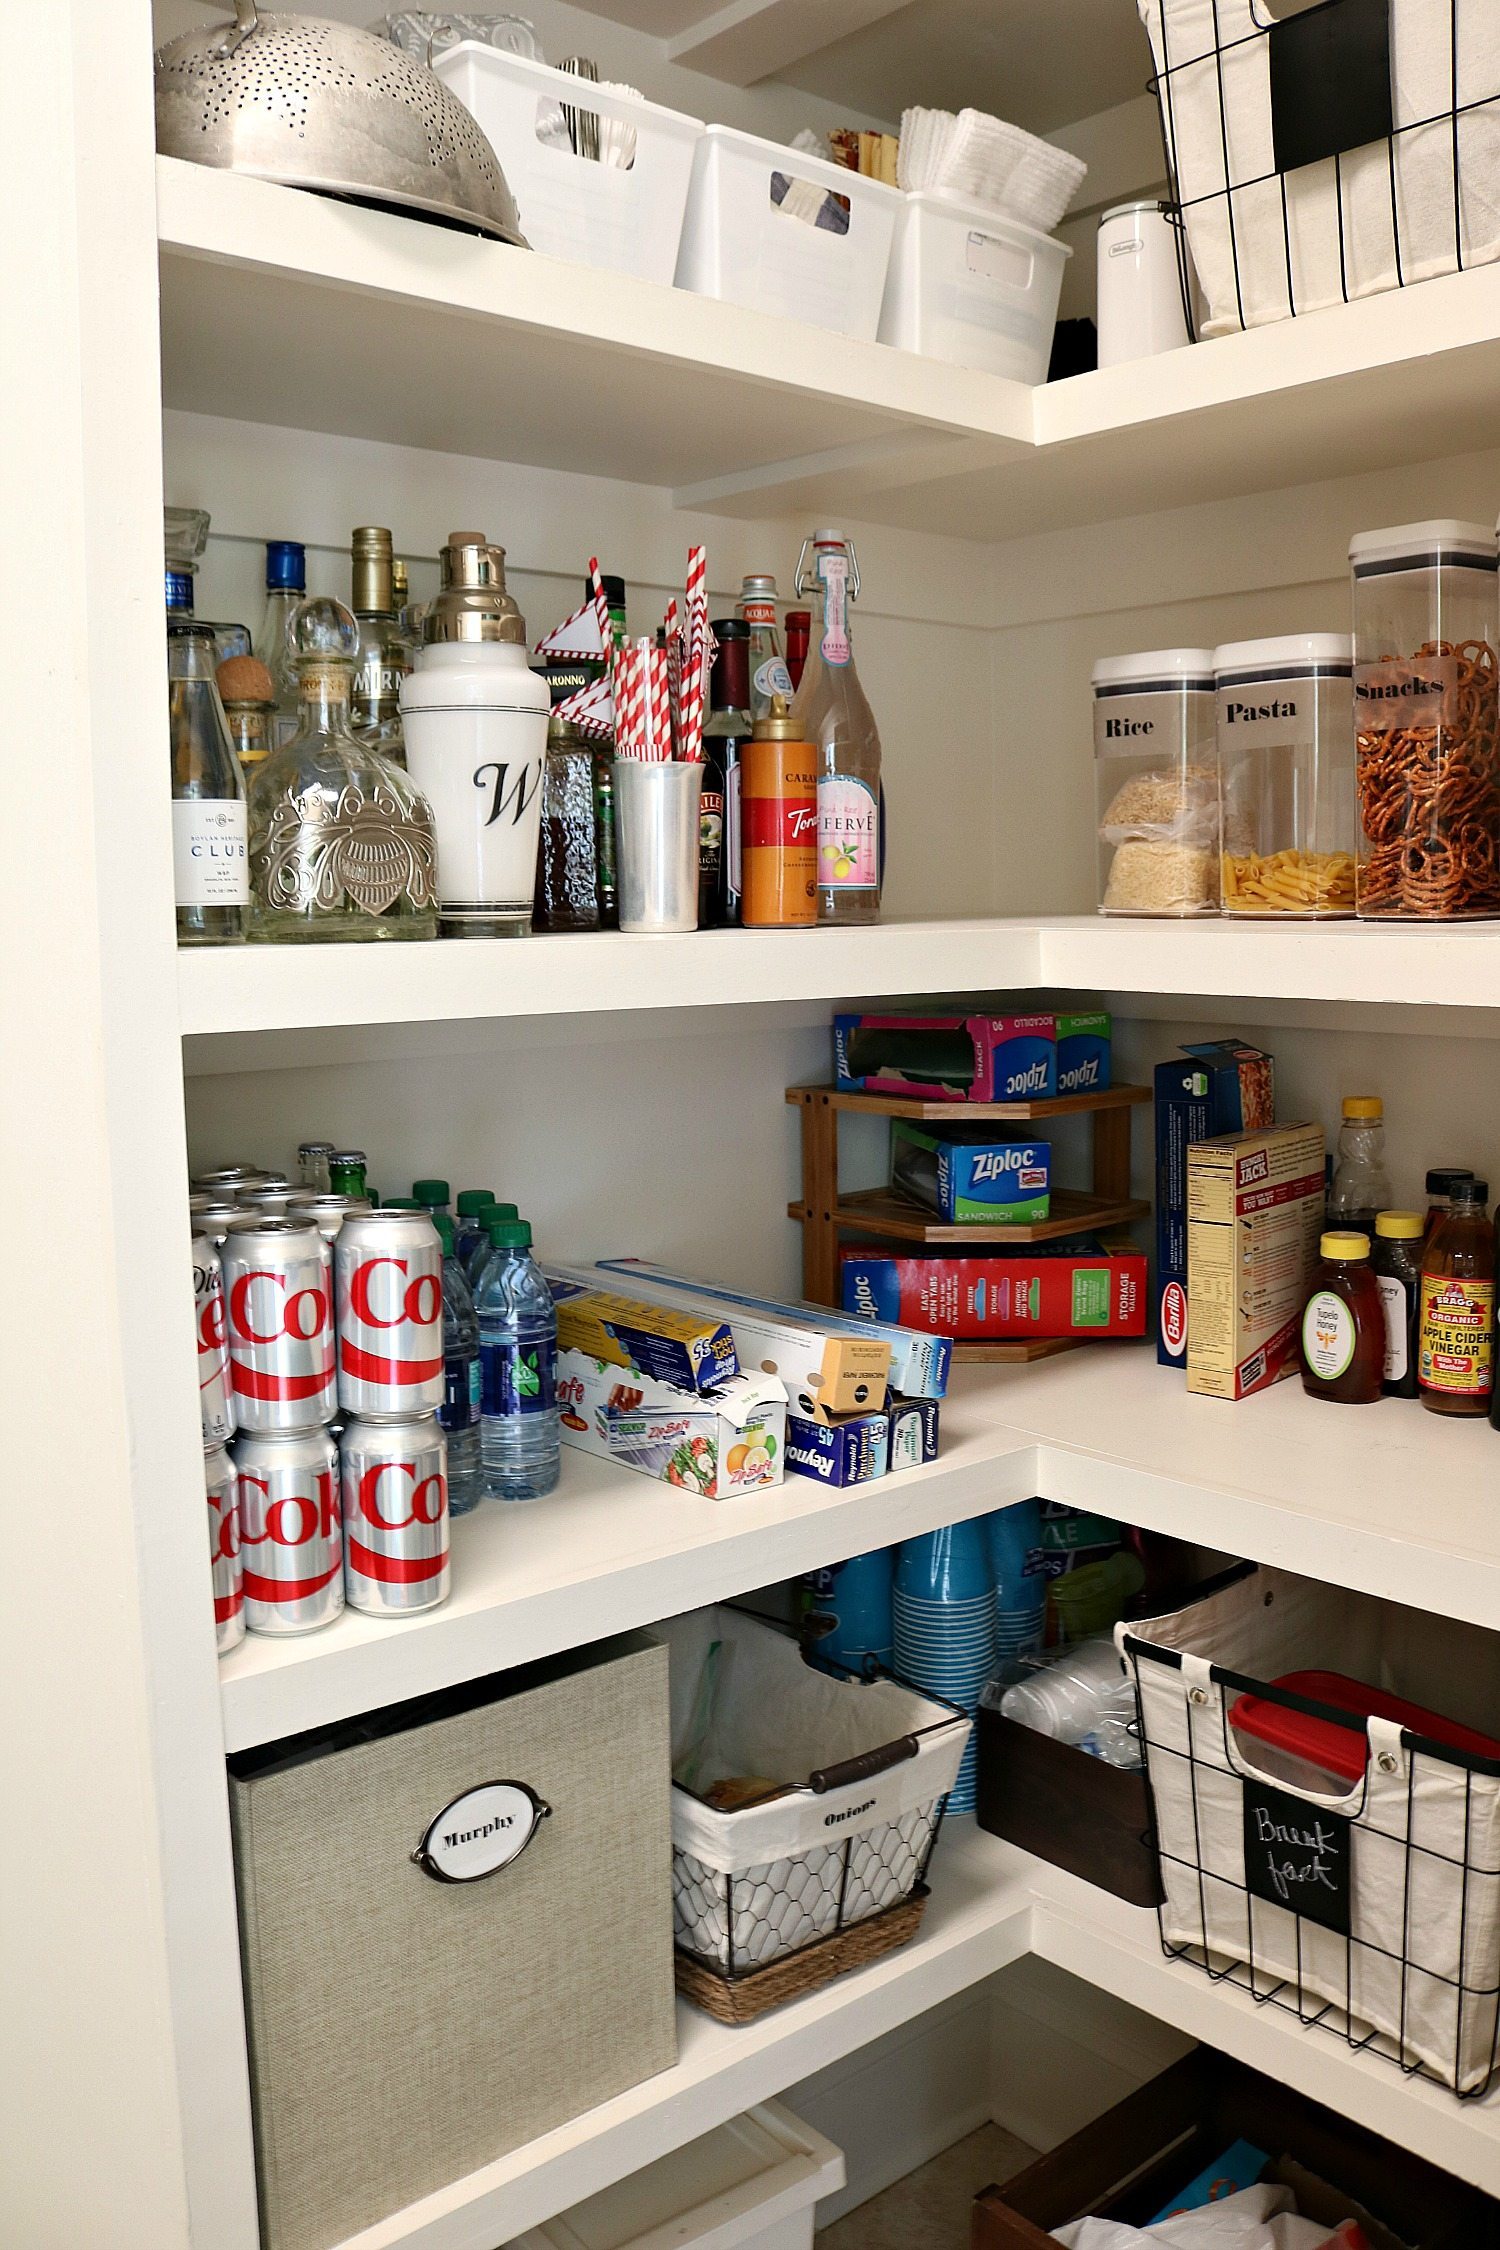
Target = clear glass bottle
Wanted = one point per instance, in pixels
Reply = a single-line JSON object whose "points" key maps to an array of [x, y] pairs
{"points": [[185, 533], [831, 712], [286, 586], [408, 613], [1361, 1183], [567, 872], [209, 862], [384, 654], [341, 844], [768, 673], [313, 1160], [250, 707]]}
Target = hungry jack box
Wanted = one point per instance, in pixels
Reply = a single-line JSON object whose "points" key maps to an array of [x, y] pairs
{"points": [[1087, 1287], [1220, 1086], [1254, 1214]]}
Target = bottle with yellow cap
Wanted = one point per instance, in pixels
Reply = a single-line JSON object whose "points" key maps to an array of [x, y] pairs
{"points": [[1343, 1324], [1398, 1276], [1361, 1184]]}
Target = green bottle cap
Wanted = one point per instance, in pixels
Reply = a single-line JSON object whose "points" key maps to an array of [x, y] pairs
{"points": [[511, 1234], [430, 1192], [401, 1203], [444, 1227], [471, 1201], [494, 1210]]}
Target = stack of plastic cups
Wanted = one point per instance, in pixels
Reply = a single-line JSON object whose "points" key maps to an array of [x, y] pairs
{"points": [[944, 1618], [847, 1621], [1015, 1549]]}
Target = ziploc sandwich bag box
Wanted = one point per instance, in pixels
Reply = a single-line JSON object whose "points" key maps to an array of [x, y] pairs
{"points": [[719, 1442], [671, 1345], [916, 1364], [1084, 1053], [1220, 1086], [947, 1058], [830, 1365], [967, 1173], [1083, 1287]]}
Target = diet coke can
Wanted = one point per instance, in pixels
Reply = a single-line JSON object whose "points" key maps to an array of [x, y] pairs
{"points": [[328, 1212], [226, 1178], [213, 1348], [221, 1480], [279, 1298], [215, 1220], [395, 1484], [389, 1268], [290, 1549]]}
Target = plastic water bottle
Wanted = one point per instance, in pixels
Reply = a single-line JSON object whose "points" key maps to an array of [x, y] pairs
{"points": [[518, 1432], [469, 1237], [483, 1250], [458, 1416]]}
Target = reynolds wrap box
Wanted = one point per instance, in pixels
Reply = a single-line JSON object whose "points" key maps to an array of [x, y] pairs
{"points": [[718, 1442], [947, 1058], [853, 1449], [1083, 1287], [965, 1172], [1222, 1086], [914, 1432], [1255, 1212], [693, 1351], [1083, 1054]]}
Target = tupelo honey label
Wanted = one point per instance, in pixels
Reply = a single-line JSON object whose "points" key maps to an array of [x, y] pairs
{"points": [[1455, 1352]]}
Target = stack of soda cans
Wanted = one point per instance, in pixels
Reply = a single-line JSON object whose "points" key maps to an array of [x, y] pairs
{"points": [[327, 1361]]}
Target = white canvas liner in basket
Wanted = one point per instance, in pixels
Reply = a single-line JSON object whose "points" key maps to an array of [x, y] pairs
{"points": [[750, 1887], [1416, 1977], [1395, 198]]}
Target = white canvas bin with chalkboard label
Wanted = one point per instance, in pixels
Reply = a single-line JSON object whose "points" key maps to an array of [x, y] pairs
{"points": [[1374, 1913]]}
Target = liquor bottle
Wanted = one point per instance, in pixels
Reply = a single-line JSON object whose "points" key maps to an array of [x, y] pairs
{"points": [[286, 584], [384, 658], [250, 707], [567, 873], [604, 773], [209, 864], [768, 673], [185, 533], [726, 731], [798, 632], [341, 844], [831, 712], [346, 1171], [408, 613]]}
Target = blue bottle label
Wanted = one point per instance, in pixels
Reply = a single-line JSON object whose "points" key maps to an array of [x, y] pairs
{"points": [[463, 1390], [518, 1378]]}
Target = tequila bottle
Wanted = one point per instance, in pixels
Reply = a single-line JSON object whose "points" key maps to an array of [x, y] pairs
{"points": [[286, 587], [831, 713], [208, 797], [341, 844], [384, 656]]}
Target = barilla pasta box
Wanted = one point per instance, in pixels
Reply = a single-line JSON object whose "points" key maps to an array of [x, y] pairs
{"points": [[1222, 1086], [829, 1365], [1255, 1212], [718, 1442], [966, 1173], [947, 1058], [1084, 1287], [692, 1350], [851, 1449], [1083, 1053]]}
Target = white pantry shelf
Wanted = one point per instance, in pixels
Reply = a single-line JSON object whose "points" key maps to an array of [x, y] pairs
{"points": [[279, 306]]}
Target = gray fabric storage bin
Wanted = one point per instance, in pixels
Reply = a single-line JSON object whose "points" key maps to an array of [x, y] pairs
{"points": [[404, 2030]]}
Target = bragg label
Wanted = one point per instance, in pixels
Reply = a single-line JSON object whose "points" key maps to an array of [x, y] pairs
{"points": [[1455, 1353]]}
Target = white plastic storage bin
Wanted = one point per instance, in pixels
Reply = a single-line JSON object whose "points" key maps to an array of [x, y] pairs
{"points": [[754, 241], [968, 285], [625, 217], [752, 2184]]}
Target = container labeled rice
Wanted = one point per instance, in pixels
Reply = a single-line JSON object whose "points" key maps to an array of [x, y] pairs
{"points": [[1156, 783]]}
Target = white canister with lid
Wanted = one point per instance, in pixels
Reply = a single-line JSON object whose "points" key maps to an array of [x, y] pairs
{"points": [[475, 720], [1286, 775], [1156, 782], [1140, 309]]}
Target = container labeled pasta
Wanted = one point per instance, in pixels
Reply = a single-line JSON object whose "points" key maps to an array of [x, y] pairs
{"points": [[1426, 627], [1156, 782], [1286, 775]]}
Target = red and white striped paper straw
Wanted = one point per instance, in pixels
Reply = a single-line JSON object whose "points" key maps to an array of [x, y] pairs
{"points": [[694, 683]]}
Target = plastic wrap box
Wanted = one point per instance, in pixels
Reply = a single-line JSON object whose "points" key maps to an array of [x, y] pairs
{"points": [[719, 1442], [1222, 1086], [685, 1349]]}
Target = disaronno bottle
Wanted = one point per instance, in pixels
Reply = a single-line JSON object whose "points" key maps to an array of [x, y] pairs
{"points": [[341, 843], [831, 713]]}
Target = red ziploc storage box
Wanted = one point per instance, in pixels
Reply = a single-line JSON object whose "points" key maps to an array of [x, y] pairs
{"points": [[1083, 1288]]}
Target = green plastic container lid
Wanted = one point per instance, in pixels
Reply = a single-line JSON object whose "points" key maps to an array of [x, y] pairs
{"points": [[428, 1192], [510, 1234], [471, 1201]]}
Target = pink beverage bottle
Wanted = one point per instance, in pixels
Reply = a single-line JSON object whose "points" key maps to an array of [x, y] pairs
{"points": [[389, 1270], [221, 1481], [395, 1493], [278, 1294], [214, 1397], [291, 1547]]}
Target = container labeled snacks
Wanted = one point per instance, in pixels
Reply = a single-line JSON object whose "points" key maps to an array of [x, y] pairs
{"points": [[1286, 775], [1156, 782], [1426, 625]]}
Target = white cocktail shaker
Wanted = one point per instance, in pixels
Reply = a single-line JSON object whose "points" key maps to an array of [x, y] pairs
{"points": [[475, 719]]}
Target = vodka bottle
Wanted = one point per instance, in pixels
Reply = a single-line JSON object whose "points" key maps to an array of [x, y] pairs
{"points": [[209, 859], [831, 713], [286, 584]]}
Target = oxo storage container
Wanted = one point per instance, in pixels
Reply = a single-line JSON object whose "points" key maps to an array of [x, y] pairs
{"points": [[1286, 775], [968, 285], [786, 233], [1156, 783], [1426, 627], [625, 215]]}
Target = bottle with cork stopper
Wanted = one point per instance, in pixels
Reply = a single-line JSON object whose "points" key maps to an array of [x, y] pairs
{"points": [[249, 698], [779, 824]]}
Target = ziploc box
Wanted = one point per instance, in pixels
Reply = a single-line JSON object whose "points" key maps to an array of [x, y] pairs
{"points": [[718, 1442], [1221, 1086], [1084, 1053], [694, 1351], [947, 1058], [1255, 1212], [851, 1449], [1085, 1287], [917, 1365], [966, 1173], [830, 1365]]}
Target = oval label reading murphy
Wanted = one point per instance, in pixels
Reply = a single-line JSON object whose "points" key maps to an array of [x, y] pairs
{"points": [[480, 1832]]}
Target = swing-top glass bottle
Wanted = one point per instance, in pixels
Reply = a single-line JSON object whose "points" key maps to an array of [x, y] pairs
{"points": [[832, 714], [341, 842]]}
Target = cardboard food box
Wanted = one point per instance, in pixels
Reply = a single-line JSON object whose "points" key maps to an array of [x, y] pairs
{"points": [[948, 1058], [1254, 1214], [1221, 1086], [1084, 1287], [692, 1350], [718, 1442], [968, 1173]]}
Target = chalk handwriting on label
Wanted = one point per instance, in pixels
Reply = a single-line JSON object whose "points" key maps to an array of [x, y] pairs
{"points": [[1297, 1856]]}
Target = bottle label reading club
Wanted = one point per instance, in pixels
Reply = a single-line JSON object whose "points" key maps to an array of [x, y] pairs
{"points": [[518, 1379], [848, 835], [210, 852]]}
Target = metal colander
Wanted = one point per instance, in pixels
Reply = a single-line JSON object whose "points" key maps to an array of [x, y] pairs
{"points": [[322, 105]]}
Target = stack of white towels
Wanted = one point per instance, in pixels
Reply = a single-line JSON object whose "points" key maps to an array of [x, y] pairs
{"points": [[974, 158]]}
